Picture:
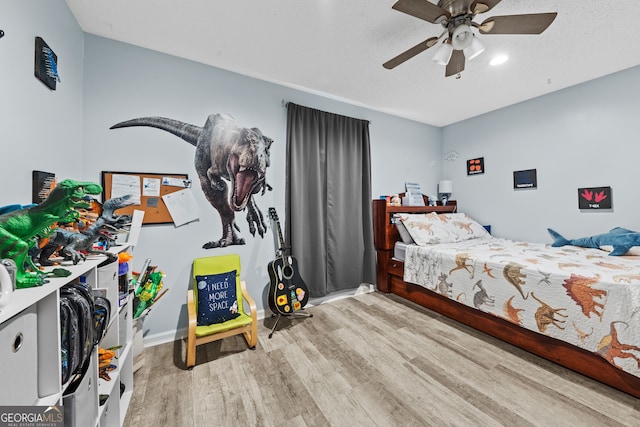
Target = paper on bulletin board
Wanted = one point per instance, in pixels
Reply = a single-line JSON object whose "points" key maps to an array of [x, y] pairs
{"points": [[176, 182], [181, 206], [136, 226], [151, 187], [123, 185]]}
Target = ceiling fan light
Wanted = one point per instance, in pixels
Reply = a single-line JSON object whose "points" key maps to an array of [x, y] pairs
{"points": [[443, 54], [501, 59], [474, 49], [461, 37]]}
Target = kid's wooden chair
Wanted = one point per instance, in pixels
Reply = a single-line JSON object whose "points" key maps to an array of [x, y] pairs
{"points": [[222, 313]]}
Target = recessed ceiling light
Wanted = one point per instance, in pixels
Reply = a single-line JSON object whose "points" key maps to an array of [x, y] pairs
{"points": [[500, 59]]}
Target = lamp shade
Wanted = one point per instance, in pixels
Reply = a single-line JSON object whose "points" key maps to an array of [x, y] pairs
{"points": [[445, 187], [443, 54], [474, 49], [461, 37]]}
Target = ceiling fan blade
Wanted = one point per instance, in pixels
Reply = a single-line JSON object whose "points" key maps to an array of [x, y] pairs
{"points": [[456, 63], [534, 23], [410, 53], [482, 6], [422, 9]]}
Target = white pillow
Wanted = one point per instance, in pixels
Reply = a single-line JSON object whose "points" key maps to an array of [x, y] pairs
{"points": [[431, 228], [426, 229], [465, 227], [402, 231]]}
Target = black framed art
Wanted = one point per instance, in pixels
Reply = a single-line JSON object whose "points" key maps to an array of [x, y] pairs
{"points": [[46, 64], [525, 179], [594, 198], [475, 166], [42, 184]]}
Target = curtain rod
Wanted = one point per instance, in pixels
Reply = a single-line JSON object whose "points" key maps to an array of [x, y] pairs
{"points": [[286, 103]]}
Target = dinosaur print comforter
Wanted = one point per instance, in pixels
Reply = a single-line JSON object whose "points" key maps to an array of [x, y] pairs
{"points": [[577, 295]]}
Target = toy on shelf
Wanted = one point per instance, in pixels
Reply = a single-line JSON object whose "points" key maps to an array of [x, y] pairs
{"points": [[105, 366], [19, 228], [75, 244], [146, 287]]}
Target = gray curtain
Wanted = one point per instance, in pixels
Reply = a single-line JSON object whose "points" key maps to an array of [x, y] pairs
{"points": [[328, 199]]}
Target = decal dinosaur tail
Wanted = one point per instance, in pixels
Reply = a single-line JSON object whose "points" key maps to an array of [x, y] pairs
{"points": [[558, 239], [189, 133]]}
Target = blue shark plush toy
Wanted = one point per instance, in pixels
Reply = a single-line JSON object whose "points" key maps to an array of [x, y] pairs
{"points": [[620, 238]]}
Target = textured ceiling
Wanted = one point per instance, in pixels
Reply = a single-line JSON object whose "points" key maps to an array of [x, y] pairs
{"points": [[336, 48]]}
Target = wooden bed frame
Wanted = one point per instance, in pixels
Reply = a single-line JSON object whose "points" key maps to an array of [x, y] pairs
{"points": [[390, 273]]}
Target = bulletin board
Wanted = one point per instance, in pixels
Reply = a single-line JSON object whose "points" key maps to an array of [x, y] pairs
{"points": [[150, 187]]}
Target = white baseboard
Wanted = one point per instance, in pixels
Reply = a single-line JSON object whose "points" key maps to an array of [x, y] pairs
{"points": [[151, 340], [170, 336], [364, 288]]}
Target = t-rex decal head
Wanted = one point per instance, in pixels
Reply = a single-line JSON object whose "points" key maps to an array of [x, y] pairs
{"points": [[247, 166], [225, 153]]}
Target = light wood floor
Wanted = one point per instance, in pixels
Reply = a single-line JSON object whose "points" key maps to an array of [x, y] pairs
{"points": [[370, 360]]}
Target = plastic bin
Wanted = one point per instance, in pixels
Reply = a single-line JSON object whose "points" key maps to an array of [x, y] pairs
{"points": [[81, 403]]}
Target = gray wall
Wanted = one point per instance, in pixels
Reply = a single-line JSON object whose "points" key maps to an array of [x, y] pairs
{"points": [[40, 129], [583, 136], [124, 82]]}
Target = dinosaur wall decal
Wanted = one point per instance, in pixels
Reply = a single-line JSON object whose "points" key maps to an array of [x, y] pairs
{"points": [[225, 153]]}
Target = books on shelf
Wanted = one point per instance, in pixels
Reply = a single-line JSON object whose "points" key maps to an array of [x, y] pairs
{"points": [[413, 195]]}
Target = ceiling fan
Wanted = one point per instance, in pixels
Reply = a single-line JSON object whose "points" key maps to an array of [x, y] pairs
{"points": [[456, 16]]}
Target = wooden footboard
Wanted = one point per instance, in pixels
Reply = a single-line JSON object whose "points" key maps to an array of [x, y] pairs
{"points": [[390, 279]]}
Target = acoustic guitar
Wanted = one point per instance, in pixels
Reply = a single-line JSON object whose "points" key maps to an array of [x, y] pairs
{"points": [[287, 291]]}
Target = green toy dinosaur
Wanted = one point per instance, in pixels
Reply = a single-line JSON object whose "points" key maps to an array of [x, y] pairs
{"points": [[19, 228]]}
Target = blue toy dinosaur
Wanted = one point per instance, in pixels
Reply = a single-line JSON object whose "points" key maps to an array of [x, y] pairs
{"points": [[620, 238], [75, 244]]}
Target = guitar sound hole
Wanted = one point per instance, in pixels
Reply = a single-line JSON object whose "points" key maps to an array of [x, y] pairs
{"points": [[287, 271]]}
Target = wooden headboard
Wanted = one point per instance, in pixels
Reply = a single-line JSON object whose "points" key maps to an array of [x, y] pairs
{"points": [[385, 233]]}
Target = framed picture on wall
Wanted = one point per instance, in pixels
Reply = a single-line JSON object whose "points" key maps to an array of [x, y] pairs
{"points": [[526, 179], [42, 184], [46, 64], [594, 198], [475, 166]]}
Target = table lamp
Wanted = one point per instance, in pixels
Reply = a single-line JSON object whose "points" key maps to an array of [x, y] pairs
{"points": [[445, 188]]}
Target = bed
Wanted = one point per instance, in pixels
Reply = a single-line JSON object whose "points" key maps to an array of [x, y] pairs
{"points": [[577, 307]]}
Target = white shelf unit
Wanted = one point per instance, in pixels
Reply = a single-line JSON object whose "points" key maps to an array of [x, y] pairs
{"points": [[30, 342], [119, 333]]}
